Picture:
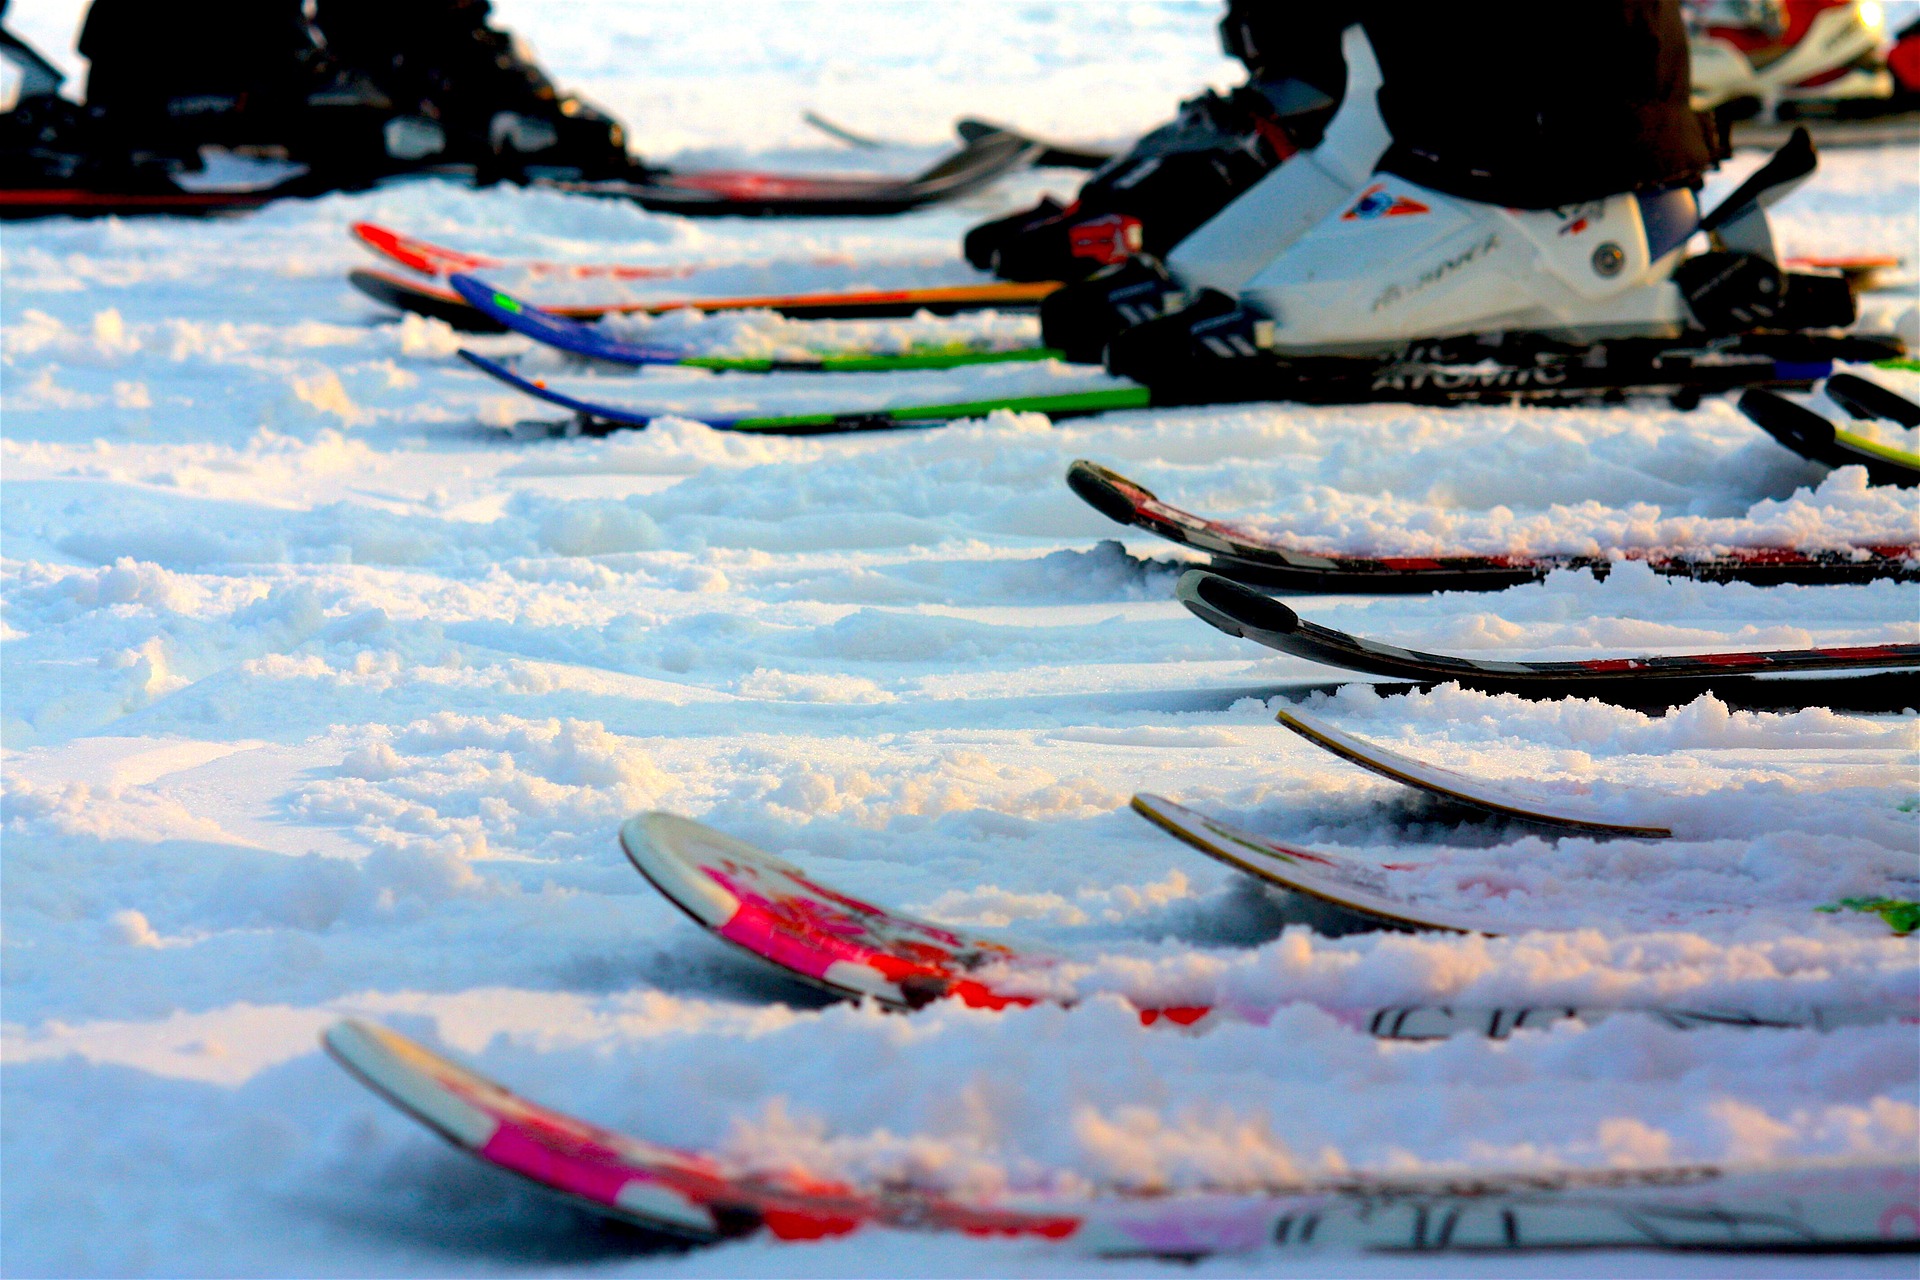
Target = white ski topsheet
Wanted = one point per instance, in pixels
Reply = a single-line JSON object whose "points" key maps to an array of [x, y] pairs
{"points": [[322, 699], [1503, 798]]}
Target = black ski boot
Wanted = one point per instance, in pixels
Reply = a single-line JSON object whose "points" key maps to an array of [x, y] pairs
{"points": [[1080, 319], [1155, 195], [1195, 355], [467, 94]]}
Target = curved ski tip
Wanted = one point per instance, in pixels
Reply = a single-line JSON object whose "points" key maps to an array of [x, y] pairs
{"points": [[668, 850], [478, 361], [346, 1036], [1219, 600], [1864, 399], [479, 293], [1793, 425], [1103, 490]]}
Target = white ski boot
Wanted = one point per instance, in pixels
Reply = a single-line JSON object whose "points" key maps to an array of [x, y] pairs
{"points": [[1405, 292]]}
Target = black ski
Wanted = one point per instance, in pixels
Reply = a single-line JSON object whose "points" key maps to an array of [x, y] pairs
{"points": [[1240, 611], [1246, 556]]}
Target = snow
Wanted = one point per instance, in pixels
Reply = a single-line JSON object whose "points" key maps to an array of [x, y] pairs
{"points": [[326, 689]]}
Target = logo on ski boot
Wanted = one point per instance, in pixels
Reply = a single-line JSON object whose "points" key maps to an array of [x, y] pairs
{"points": [[1377, 202], [1107, 240]]}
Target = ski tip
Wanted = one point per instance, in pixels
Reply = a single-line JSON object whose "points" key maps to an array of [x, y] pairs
{"points": [[1101, 489], [479, 293], [1224, 603], [666, 848], [1868, 400], [1795, 426]]}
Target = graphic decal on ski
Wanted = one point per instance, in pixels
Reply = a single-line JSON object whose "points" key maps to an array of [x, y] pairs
{"points": [[650, 1186], [1248, 556], [770, 908], [1506, 799], [1240, 611], [1853, 1206]]}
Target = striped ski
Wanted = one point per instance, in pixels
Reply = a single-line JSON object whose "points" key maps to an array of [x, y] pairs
{"points": [[595, 418], [436, 301], [589, 342]]}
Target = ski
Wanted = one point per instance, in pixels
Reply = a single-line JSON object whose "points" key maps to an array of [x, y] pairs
{"points": [[987, 152], [594, 418], [650, 1186], [438, 261], [1240, 611], [1508, 801], [1351, 886], [1813, 437], [1492, 369], [588, 342], [403, 293], [778, 914], [1055, 156], [1248, 556], [1867, 272], [1850, 1206], [1864, 399], [80, 202], [772, 910], [435, 260]]}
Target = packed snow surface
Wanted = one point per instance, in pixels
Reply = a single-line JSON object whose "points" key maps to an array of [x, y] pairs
{"points": [[328, 682]]}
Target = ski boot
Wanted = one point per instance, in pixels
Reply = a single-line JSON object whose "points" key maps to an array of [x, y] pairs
{"points": [[1171, 181], [1406, 292], [1788, 59], [1225, 251], [467, 94]]}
